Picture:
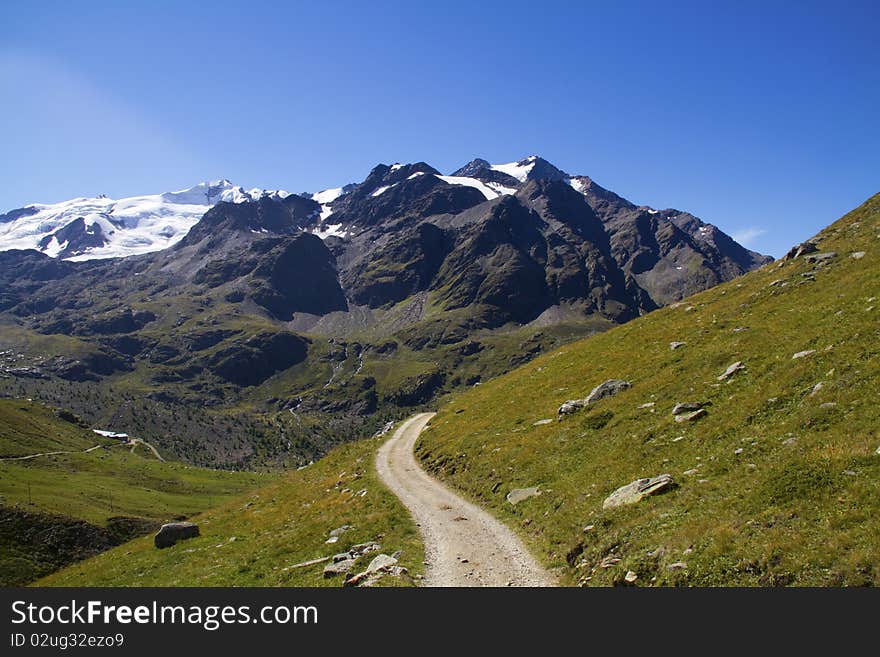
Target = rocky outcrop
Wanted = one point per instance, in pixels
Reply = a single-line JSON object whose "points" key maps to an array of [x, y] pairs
{"points": [[253, 361], [638, 490], [517, 495], [169, 534], [608, 388]]}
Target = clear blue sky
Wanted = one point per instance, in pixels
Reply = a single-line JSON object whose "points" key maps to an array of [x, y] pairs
{"points": [[763, 118]]}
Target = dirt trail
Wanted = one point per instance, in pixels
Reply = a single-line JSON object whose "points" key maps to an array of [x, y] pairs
{"points": [[464, 545], [33, 456]]}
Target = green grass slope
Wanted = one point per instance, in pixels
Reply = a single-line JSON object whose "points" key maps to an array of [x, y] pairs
{"points": [[260, 539], [779, 484], [73, 500]]}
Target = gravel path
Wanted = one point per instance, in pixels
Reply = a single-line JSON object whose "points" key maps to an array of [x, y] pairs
{"points": [[464, 545]]}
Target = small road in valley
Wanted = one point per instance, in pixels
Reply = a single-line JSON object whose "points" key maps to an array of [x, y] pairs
{"points": [[464, 545]]}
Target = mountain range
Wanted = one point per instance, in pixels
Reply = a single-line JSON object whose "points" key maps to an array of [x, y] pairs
{"points": [[339, 305]]}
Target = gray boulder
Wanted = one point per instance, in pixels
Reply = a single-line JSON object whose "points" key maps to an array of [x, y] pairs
{"points": [[381, 562], [607, 389], [801, 249], [820, 257], [338, 567], [572, 406], [731, 370], [638, 490], [517, 495], [172, 532], [380, 566], [686, 407], [693, 415]]}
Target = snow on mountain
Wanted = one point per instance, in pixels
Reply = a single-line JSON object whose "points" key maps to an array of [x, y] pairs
{"points": [[489, 190], [519, 170], [101, 227]]}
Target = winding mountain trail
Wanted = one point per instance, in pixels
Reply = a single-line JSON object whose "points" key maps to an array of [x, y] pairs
{"points": [[464, 545]]}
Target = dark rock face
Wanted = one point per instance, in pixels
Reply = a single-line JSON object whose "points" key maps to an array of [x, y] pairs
{"points": [[259, 357], [410, 192], [76, 237], [18, 213], [172, 532], [406, 266], [124, 322], [266, 215], [297, 275]]}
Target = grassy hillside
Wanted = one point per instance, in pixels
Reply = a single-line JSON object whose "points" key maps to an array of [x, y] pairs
{"points": [[259, 538], [778, 484], [84, 492]]}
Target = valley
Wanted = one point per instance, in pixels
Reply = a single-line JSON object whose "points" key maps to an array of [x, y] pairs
{"points": [[260, 362]]}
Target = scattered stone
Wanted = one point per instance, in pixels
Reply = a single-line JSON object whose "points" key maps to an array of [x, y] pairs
{"points": [[820, 257], [690, 472], [590, 528], [638, 490], [788, 442], [364, 548], [607, 389], [675, 345], [571, 406], [336, 533], [817, 388], [630, 577], [689, 417], [686, 407], [740, 329], [801, 249], [380, 566], [172, 532], [731, 370], [802, 354], [381, 562], [878, 451], [677, 439], [609, 561], [517, 495], [738, 451], [648, 405], [542, 422], [678, 565], [338, 567], [828, 405], [857, 255]]}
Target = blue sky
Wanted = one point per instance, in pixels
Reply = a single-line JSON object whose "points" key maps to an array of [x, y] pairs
{"points": [[759, 117]]}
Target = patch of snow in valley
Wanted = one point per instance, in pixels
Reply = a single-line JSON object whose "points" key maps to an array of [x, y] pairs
{"points": [[326, 230]]}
